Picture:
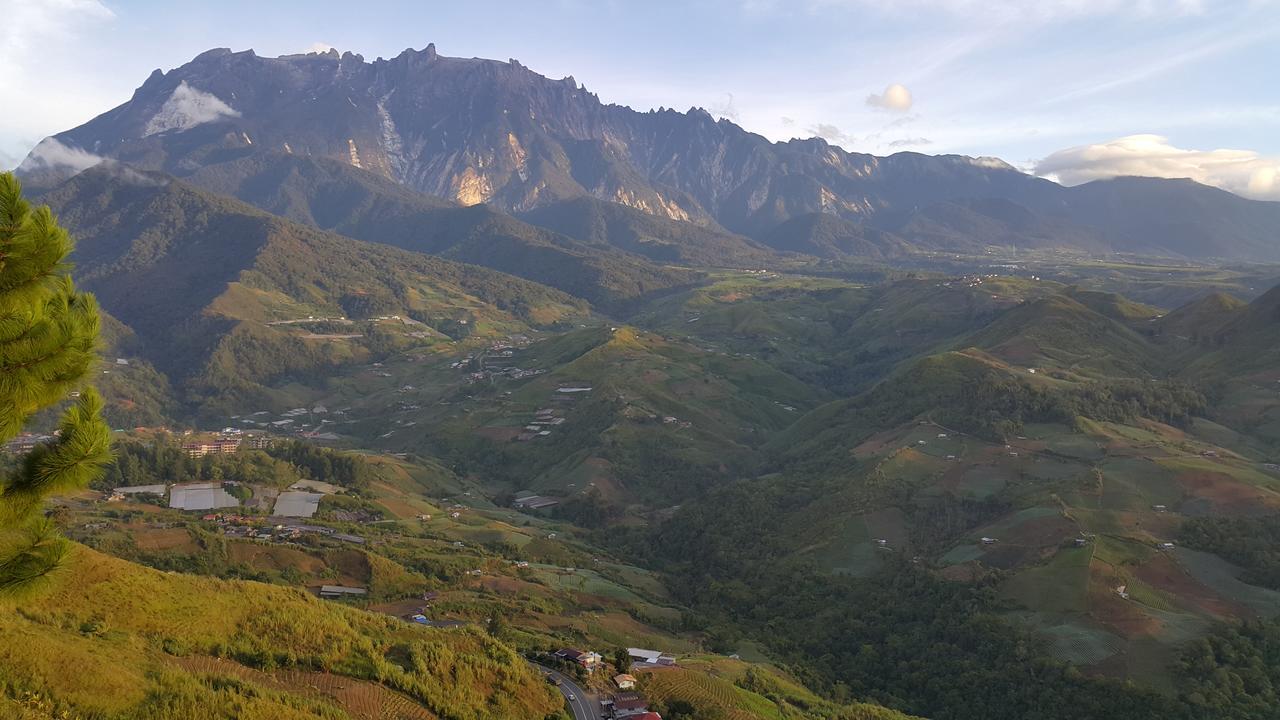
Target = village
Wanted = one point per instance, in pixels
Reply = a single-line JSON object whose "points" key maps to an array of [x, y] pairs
{"points": [[616, 696]]}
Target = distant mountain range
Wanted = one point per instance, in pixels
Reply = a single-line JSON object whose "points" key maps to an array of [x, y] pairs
{"points": [[434, 134]]}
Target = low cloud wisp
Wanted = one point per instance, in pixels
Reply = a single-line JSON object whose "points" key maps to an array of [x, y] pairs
{"points": [[186, 108]]}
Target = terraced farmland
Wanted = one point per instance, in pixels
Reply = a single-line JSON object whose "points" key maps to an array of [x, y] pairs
{"points": [[359, 699], [704, 691]]}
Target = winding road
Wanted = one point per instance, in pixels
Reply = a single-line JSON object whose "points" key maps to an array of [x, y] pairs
{"points": [[583, 704]]}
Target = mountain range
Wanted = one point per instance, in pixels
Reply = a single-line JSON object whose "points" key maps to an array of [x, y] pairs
{"points": [[920, 430], [474, 131]]}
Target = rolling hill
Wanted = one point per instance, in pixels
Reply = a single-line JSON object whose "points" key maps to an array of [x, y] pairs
{"points": [[117, 640], [360, 204], [226, 299]]}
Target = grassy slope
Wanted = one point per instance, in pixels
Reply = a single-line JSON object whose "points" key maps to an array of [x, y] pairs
{"points": [[744, 691], [197, 277], [107, 639]]}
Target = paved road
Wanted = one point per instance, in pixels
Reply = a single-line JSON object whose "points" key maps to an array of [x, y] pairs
{"points": [[583, 705]]}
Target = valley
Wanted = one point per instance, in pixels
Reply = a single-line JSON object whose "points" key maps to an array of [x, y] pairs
{"points": [[438, 388]]}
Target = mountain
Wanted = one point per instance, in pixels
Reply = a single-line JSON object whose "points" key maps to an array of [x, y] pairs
{"points": [[831, 237], [974, 225], [482, 131], [354, 202], [657, 238], [1175, 217], [225, 298]]}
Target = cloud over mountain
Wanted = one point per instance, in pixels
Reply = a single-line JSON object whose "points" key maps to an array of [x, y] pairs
{"points": [[1240, 171], [186, 108], [54, 154]]}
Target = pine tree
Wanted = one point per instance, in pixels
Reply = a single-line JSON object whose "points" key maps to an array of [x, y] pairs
{"points": [[48, 334]]}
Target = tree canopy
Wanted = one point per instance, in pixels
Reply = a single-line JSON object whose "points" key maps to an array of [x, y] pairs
{"points": [[48, 335]]}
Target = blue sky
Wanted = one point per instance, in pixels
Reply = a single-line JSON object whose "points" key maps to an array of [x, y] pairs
{"points": [[1074, 89]]}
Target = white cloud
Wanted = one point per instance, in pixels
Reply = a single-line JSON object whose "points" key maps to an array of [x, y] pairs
{"points": [[1243, 172], [186, 108], [831, 133], [896, 98], [52, 154], [30, 23], [911, 142], [725, 109], [34, 38], [318, 47]]}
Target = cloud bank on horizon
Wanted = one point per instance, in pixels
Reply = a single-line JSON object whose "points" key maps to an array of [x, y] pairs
{"points": [[1071, 89], [1243, 172]]}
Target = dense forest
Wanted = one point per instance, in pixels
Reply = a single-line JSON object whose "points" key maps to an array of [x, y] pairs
{"points": [[1251, 543], [161, 461], [911, 641]]}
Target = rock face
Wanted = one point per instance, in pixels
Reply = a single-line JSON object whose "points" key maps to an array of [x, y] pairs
{"points": [[482, 131]]}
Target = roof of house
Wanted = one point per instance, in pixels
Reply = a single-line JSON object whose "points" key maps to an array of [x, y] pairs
{"points": [[536, 502], [297, 504], [141, 489], [200, 497], [447, 623], [629, 701], [342, 590]]}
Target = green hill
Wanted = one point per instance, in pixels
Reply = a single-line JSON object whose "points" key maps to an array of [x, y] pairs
{"points": [[1059, 333], [662, 419], [226, 300], [1202, 321], [116, 640], [343, 199]]}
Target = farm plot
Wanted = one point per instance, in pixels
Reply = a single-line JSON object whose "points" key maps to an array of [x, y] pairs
{"points": [[1214, 572], [1137, 484], [1073, 640], [705, 691], [358, 698], [1058, 586]]}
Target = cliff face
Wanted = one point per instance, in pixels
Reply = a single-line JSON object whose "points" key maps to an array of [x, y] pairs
{"points": [[482, 131], [477, 131]]}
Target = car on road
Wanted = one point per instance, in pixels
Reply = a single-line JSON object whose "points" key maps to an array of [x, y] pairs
{"points": [[572, 697]]}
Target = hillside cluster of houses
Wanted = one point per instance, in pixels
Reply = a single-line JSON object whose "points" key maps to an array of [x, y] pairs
{"points": [[309, 422], [547, 419], [26, 442], [284, 533], [544, 421], [625, 704]]}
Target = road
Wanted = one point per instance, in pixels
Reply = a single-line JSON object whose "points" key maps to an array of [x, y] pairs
{"points": [[583, 705]]}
